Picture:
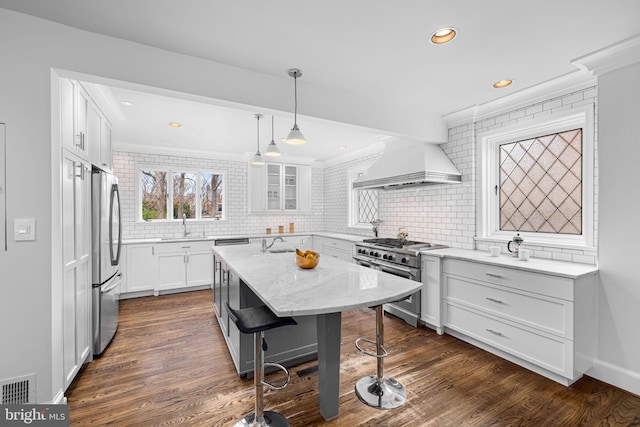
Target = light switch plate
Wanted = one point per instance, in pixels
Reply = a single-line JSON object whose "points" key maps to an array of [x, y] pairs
{"points": [[24, 229]]}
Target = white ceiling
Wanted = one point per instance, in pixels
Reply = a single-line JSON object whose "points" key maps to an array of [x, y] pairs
{"points": [[374, 50]]}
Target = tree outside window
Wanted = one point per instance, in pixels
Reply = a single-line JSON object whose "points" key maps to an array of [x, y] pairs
{"points": [[194, 195]]}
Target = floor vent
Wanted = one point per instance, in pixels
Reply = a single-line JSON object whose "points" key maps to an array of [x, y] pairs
{"points": [[19, 391]]}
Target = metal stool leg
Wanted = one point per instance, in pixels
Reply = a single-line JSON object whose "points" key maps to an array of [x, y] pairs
{"points": [[376, 390], [260, 417]]}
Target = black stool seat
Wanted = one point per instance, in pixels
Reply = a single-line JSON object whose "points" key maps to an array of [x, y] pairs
{"points": [[257, 319]]}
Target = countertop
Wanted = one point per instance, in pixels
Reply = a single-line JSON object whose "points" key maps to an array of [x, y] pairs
{"points": [[570, 270], [333, 286], [347, 237]]}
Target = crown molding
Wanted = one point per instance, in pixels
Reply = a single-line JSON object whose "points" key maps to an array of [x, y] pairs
{"points": [[571, 82], [610, 58]]}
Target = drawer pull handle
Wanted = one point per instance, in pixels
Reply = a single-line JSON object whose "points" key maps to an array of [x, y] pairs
{"points": [[497, 276], [494, 300], [494, 332]]}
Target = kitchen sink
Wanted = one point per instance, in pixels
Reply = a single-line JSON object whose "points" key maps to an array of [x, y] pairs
{"points": [[280, 250]]}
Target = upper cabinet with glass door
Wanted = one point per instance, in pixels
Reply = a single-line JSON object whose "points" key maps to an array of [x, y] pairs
{"points": [[279, 187]]}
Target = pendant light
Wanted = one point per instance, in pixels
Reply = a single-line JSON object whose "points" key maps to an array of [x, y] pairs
{"points": [[295, 136], [257, 158], [272, 148]]}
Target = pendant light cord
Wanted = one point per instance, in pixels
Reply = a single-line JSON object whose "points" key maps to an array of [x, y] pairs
{"points": [[295, 97], [272, 128], [258, 133]]}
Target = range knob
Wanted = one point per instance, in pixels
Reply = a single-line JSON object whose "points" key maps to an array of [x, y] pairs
{"points": [[377, 254], [404, 260], [385, 256], [391, 257], [371, 253]]}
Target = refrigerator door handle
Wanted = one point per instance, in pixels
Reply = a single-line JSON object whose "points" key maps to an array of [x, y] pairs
{"points": [[115, 197]]}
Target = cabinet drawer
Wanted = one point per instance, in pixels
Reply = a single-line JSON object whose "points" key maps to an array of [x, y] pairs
{"points": [[550, 315], [341, 245], [551, 353], [544, 284], [173, 247]]}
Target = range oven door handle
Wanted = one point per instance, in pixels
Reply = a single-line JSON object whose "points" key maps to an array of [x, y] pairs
{"points": [[393, 269]]}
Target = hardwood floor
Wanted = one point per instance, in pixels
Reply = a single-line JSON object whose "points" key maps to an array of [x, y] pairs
{"points": [[168, 364]]}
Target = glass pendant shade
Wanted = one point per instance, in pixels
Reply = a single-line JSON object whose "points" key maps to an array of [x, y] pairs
{"points": [[295, 137], [272, 149], [257, 159]]}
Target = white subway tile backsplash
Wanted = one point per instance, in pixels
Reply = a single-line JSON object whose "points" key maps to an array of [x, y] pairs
{"points": [[239, 220], [437, 213]]}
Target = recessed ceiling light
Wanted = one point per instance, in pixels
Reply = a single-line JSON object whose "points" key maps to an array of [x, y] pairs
{"points": [[502, 83], [175, 124], [127, 103], [343, 147], [443, 35]]}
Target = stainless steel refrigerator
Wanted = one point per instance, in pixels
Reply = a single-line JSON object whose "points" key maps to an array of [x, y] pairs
{"points": [[106, 233]]}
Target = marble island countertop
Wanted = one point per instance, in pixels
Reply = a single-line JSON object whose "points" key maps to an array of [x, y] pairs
{"points": [[570, 270], [333, 286]]}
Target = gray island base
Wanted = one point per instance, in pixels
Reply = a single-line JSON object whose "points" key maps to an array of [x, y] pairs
{"points": [[317, 296]]}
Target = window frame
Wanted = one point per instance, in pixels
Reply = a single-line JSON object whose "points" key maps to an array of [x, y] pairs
{"points": [[488, 176], [171, 170], [354, 206]]}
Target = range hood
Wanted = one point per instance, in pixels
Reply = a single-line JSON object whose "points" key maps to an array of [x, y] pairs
{"points": [[404, 165]]}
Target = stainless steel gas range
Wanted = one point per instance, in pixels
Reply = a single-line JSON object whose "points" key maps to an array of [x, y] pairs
{"points": [[399, 257]]}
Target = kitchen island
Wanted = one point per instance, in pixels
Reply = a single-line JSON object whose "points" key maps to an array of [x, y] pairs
{"points": [[324, 293]]}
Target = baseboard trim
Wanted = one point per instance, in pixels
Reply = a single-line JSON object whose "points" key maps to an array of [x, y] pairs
{"points": [[615, 375]]}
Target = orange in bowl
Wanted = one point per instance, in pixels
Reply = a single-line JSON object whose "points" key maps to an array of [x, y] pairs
{"points": [[307, 259]]}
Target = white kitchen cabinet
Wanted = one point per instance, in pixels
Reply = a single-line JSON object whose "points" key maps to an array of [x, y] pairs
{"points": [[279, 187], [76, 255], [431, 310], [82, 110], [541, 321], [84, 128], [184, 264], [139, 269], [172, 266], [98, 137], [74, 107], [68, 89], [336, 248], [106, 146]]}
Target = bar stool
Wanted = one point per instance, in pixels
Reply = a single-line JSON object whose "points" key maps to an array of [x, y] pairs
{"points": [[377, 390], [256, 320]]}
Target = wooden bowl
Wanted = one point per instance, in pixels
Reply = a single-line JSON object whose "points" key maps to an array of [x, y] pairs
{"points": [[307, 261]]}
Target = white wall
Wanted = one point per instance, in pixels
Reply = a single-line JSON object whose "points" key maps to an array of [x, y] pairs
{"points": [[619, 305], [239, 222]]}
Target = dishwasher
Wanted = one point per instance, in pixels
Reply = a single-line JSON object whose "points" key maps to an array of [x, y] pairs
{"points": [[217, 270]]}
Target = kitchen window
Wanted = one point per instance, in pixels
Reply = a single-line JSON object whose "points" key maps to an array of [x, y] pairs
{"points": [[171, 194], [363, 203], [537, 180]]}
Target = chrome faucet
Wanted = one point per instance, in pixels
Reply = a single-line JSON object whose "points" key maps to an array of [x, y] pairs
{"points": [[185, 233], [264, 243]]}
